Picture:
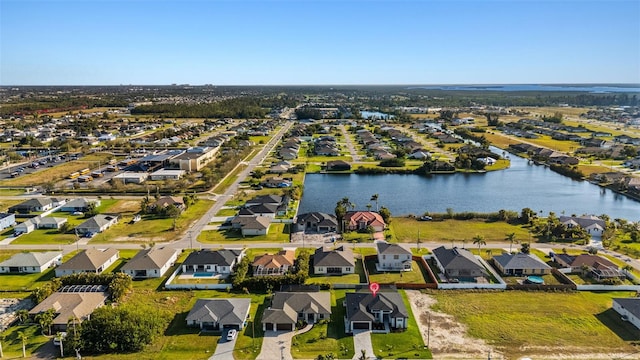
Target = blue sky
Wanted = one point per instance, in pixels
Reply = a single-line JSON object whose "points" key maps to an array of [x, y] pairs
{"points": [[108, 42]]}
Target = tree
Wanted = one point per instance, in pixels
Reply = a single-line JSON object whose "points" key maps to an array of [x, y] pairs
{"points": [[91, 210], [2, 337], [363, 355], [511, 238], [65, 228], [369, 207], [144, 204], [45, 320], [22, 315], [385, 214], [525, 248], [23, 338], [370, 230], [479, 240], [375, 197], [340, 212]]}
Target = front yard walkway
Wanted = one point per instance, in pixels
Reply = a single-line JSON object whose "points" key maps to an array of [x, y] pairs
{"points": [[277, 344], [362, 341]]}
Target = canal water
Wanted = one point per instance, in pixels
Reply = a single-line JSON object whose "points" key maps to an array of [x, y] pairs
{"points": [[522, 185]]}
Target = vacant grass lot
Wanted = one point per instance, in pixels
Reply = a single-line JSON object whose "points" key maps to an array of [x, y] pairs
{"points": [[326, 338], [12, 345], [277, 233], [520, 323], [406, 230], [150, 228], [407, 344]]}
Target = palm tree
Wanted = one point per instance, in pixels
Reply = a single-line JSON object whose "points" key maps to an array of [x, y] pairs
{"points": [[368, 207], [479, 240], [23, 315], [2, 337], [511, 238], [375, 197], [45, 320], [23, 338], [488, 252]]}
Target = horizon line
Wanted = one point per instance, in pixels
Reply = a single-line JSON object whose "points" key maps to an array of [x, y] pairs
{"points": [[330, 85]]}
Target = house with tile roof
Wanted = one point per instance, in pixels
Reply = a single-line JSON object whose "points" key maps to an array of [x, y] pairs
{"points": [[385, 311], [337, 261], [219, 261], [360, 220], [218, 314], [31, 262], [595, 266], [273, 264], [91, 260], [150, 263], [287, 308]]}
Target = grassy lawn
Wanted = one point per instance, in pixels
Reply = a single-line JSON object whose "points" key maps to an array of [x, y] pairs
{"points": [[227, 212], [356, 278], [26, 282], [499, 165], [326, 338], [228, 180], [278, 232], [407, 344], [415, 276], [406, 230], [6, 204], [150, 228], [12, 345], [576, 322]]}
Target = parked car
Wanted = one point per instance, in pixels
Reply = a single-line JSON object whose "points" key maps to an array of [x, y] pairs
{"points": [[426, 218], [232, 334], [58, 338]]}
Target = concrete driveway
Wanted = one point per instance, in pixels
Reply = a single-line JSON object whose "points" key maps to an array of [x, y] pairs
{"points": [[362, 341], [276, 345], [224, 350]]}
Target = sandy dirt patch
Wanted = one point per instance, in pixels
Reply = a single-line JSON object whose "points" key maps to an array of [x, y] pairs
{"points": [[125, 206], [449, 339]]}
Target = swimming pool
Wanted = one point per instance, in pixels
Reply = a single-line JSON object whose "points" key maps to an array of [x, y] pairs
{"points": [[535, 280], [202, 274]]}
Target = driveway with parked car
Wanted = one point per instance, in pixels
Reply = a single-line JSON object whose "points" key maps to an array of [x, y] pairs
{"points": [[224, 350]]}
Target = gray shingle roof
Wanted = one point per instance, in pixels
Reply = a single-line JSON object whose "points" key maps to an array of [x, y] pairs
{"points": [[154, 258], [391, 249], [31, 258], [520, 261], [632, 305], [457, 259], [360, 304], [223, 257], [339, 257], [90, 259], [221, 311]]}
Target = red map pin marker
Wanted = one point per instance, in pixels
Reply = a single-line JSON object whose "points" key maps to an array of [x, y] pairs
{"points": [[374, 287]]}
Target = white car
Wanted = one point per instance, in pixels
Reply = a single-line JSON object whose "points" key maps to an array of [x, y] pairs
{"points": [[232, 334], [60, 336]]}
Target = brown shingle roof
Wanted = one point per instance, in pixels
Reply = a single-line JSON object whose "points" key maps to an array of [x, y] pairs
{"points": [[284, 257]]}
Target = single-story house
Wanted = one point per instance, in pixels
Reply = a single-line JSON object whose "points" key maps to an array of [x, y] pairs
{"points": [[70, 305], [131, 177], [32, 205], [420, 155], [79, 204], [150, 263], [167, 174], [392, 257], [363, 310], [50, 222], [215, 261], [629, 309], [459, 264], [27, 226], [267, 210], [520, 264], [252, 225], [338, 165], [595, 266], [333, 262], [96, 224], [31, 262], [282, 202], [7, 220], [289, 307], [593, 224], [218, 314], [273, 264], [165, 201], [360, 220], [91, 260], [317, 222]]}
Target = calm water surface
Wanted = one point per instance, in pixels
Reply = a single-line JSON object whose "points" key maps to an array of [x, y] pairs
{"points": [[520, 186]]}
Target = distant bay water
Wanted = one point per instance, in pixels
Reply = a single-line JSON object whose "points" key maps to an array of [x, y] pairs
{"points": [[591, 88]]}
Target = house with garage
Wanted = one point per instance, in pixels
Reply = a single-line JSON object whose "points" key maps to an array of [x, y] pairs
{"points": [[287, 308], [629, 309], [459, 265], [267, 210], [151, 263], [91, 260], [166, 201], [251, 225], [594, 266], [592, 224], [71, 305], [282, 202], [219, 314], [392, 257], [50, 222], [520, 264], [273, 264], [79, 205], [338, 165], [380, 313], [337, 261], [96, 224], [316, 222], [212, 261], [27, 226], [31, 262], [360, 220], [32, 205], [7, 220]]}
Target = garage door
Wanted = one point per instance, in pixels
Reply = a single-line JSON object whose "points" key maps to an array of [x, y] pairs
{"points": [[268, 326], [231, 326], [287, 327], [361, 325]]}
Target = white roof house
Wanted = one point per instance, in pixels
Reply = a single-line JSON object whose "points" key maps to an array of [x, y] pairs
{"points": [[31, 262]]}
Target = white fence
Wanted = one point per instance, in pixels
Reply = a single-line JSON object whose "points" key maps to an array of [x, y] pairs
{"points": [[608, 287], [170, 286], [451, 286]]}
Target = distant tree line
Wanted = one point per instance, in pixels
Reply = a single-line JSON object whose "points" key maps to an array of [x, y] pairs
{"points": [[234, 108]]}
